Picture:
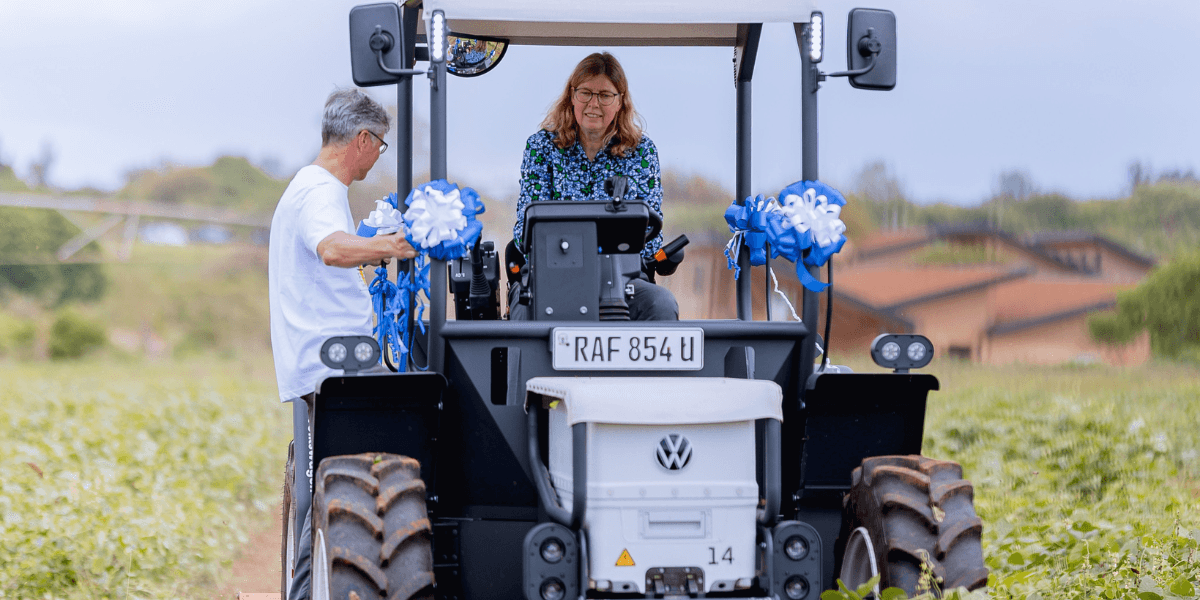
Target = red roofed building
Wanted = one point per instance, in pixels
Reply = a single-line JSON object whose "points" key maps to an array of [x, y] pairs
{"points": [[979, 294]]}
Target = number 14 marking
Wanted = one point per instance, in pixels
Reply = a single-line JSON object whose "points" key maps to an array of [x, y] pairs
{"points": [[727, 556]]}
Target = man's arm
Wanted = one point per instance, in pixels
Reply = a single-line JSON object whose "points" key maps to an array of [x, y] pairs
{"points": [[341, 249]]}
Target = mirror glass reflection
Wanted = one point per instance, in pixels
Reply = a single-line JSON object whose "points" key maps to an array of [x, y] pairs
{"points": [[468, 57]]}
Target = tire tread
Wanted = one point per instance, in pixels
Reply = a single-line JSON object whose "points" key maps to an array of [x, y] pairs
{"points": [[918, 511]]}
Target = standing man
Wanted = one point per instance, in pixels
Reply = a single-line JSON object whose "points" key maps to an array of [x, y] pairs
{"points": [[316, 291]]}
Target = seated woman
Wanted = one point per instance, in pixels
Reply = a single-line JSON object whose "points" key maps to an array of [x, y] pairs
{"points": [[592, 133]]}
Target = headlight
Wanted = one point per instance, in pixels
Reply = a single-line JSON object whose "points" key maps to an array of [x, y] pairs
{"points": [[796, 547], [796, 588], [553, 589], [552, 550]]}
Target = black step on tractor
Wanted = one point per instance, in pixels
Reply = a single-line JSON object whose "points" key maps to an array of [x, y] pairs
{"points": [[578, 454]]}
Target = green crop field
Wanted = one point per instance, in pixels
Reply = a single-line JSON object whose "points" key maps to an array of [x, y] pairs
{"points": [[142, 480], [129, 480], [1086, 478]]}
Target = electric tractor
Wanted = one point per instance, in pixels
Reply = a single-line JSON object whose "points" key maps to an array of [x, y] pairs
{"points": [[557, 450]]}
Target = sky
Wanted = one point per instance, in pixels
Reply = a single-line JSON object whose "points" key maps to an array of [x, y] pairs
{"points": [[1069, 91]]}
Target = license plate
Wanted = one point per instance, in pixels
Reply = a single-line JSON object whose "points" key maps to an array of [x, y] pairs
{"points": [[628, 348]]}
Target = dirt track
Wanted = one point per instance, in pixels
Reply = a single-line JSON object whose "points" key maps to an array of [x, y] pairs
{"points": [[256, 567]]}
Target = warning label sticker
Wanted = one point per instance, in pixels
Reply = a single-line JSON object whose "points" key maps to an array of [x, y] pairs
{"points": [[625, 560]]}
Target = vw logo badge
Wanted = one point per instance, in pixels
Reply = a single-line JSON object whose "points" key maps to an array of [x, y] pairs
{"points": [[673, 452]]}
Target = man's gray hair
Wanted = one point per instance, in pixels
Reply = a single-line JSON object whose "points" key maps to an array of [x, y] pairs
{"points": [[348, 112]]}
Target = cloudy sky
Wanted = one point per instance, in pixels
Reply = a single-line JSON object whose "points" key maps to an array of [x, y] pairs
{"points": [[1070, 91]]}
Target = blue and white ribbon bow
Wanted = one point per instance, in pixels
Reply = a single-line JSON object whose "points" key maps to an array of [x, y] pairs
{"points": [[748, 222], [806, 217], [441, 219], [439, 222]]}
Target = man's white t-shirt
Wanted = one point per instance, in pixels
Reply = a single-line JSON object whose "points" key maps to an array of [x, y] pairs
{"points": [[311, 301]]}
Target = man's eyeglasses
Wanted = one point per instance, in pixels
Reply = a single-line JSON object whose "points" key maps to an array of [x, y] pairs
{"points": [[583, 96], [382, 144]]}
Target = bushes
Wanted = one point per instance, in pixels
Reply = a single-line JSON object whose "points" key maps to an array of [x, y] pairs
{"points": [[74, 335], [1167, 304], [17, 336], [29, 237]]}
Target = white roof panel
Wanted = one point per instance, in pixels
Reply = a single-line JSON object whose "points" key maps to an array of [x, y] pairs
{"points": [[616, 22], [661, 400]]}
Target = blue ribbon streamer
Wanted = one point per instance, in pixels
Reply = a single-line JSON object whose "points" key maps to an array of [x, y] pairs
{"points": [[391, 300], [755, 226], [748, 222]]}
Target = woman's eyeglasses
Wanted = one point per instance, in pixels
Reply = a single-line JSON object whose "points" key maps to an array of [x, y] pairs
{"points": [[583, 96]]}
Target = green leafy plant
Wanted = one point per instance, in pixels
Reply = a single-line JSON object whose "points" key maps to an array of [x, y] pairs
{"points": [[1086, 480], [132, 481], [73, 335], [17, 336], [1167, 304]]}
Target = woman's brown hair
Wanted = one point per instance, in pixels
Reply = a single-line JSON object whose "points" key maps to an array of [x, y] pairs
{"points": [[625, 130]]}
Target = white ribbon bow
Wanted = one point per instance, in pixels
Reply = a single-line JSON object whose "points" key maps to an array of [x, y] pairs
{"points": [[385, 218], [435, 216], [811, 212]]}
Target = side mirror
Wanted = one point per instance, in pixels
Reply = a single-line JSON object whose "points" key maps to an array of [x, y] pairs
{"points": [[375, 28], [871, 37], [471, 57]]}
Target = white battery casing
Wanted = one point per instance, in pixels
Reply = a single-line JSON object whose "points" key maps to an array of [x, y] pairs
{"points": [[699, 514]]}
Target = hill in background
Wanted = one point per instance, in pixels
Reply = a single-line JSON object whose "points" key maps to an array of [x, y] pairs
{"points": [[1160, 217], [231, 182]]}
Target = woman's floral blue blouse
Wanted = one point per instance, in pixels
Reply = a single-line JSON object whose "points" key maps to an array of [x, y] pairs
{"points": [[577, 178]]}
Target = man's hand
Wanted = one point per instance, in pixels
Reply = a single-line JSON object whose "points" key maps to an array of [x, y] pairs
{"points": [[341, 249]]}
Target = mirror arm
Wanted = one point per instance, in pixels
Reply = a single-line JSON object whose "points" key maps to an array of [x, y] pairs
{"points": [[851, 73], [400, 72], [382, 41]]}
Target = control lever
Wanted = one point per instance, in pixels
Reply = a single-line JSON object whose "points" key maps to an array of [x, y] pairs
{"points": [[474, 282], [614, 188], [667, 259]]}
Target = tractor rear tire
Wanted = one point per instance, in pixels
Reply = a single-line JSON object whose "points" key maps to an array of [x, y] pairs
{"points": [[372, 534], [288, 543], [919, 518]]}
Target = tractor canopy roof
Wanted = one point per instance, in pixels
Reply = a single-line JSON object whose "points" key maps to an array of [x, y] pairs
{"points": [[615, 22]]}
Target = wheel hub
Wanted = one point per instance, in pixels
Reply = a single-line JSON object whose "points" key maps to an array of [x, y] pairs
{"points": [[858, 562]]}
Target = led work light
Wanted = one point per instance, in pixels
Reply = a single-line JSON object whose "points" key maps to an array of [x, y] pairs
{"points": [[336, 353], [437, 37], [816, 37], [901, 351]]}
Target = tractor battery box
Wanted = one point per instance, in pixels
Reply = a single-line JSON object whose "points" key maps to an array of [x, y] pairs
{"points": [[670, 471]]}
